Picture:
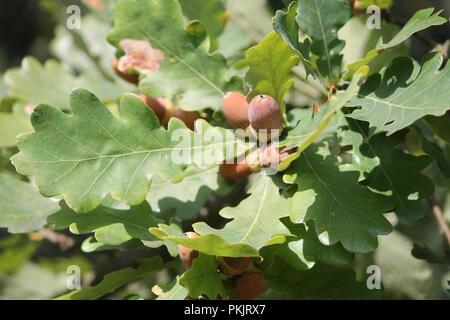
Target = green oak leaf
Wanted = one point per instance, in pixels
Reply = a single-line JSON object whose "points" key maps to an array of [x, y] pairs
{"points": [[203, 278], [189, 73], [383, 4], [440, 126], [210, 244], [256, 220], [285, 24], [90, 154], [114, 280], [304, 249], [359, 40], [421, 20], [189, 195], [353, 140], [321, 21], [110, 226], [211, 13], [319, 283], [22, 208], [12, 124], [233, 41], [341, 209], [177, 292], [438, 154], [309, 128], [403, 94], [397, 174], [270, 64], [52, 84]]}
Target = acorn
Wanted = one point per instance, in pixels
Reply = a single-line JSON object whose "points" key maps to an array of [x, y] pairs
{"points": [[234, 266], [241, 168], [248, 286], [164, 110], [235, 171], [127, 76], [188, 117], [187, 255], [158, 105], [265, 113], [235, 109]]}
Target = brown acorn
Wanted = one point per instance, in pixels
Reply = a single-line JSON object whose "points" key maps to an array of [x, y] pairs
{"points": [[188, 117], [265, 113], [235, 171], [234, 266], [235, 109], [158, 105], [187, 255], [130, 77], [249, 286], [241, 168]]}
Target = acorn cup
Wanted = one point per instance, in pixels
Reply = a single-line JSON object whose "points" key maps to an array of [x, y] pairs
{"points": [[248, 286], [187, 255], [234, 266], [235, 109], [127, 76], [272, 156]]}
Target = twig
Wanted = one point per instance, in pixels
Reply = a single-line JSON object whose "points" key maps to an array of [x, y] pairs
{"points": [[63, 241], [443, 225]]}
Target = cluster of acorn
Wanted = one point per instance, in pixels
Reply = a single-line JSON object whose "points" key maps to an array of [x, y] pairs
{"points": [[246, 280], [262, 114], [163, 108]]}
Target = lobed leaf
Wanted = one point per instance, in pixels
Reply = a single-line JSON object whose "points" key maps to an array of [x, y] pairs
{"points": [[421, 20], [303, 250], [90, 154], [256, 221], [203, 278], [188, 72], [341, 209], [22, 208], [189, 195], [12, 124], [397, 174], [285, 24], [403, 94], [114, 280], [270, 68], [110, 226], [321, 21], [52, 84], [309, 128], [210, 244]]}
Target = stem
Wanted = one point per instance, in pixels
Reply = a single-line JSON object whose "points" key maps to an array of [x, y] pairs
{"points": [[443, 225]]}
